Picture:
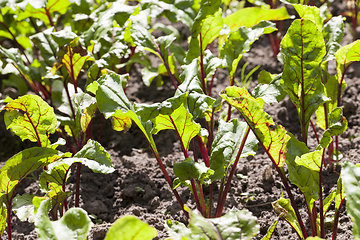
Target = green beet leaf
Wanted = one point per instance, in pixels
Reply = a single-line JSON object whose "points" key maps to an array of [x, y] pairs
{"points": [[31, 118], [226, 145], [23, 207], [51, 7], [241, 17], [198, 104], [92, 150], [303, 167], [13, 57], [303, 49], [63, 37], [350, 175], [46, 45], [92, 155], [269, 88], [57, 196], [113, 102], [179, 120], [3, 214], [284, 209], [189, 169], [272, 138], [333, 33], [311, 13], [130, 227], [110, 94], [332, 92], [74, 225], [271, 230], [337, 125], [22, 164], [236, 224], [207, 25], [345, 56], [239, 42], [74, 59]]}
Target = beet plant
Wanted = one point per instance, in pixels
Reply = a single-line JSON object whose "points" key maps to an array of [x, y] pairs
{"points": [[77, 57], [304, 55]]}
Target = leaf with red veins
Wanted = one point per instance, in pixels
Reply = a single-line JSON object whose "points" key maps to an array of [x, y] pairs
{"points": [[74, 61], [303, 49], [272, 137], [31, 118], [22, 164], [179, 120]]}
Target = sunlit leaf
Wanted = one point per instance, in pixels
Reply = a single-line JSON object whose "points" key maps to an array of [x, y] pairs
{"points": [[241, 17], [129, 227], [272, 137], [45, 13], [20, 165], [31, 118], [303, 49], [207, 25], [284, 209]]}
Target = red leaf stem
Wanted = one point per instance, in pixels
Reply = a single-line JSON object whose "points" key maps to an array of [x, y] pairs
{"points": [[336, 220], [77, 193]]}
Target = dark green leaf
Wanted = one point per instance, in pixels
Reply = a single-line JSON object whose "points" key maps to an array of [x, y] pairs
{"points": [[226, 145], [303, 49]]}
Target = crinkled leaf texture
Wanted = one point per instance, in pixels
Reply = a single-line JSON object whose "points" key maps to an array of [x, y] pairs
{"points": [[20, 165], [74, 225], [130, 227], [31, 118], [303, 49], [350, 175], [235, 225], [272, 137], [226, 145]]}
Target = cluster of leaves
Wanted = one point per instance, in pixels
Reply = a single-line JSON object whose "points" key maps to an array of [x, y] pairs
{"points": [[76, 58]]}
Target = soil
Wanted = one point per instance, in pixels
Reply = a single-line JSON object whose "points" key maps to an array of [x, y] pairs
{"points": [[138, 186]]}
